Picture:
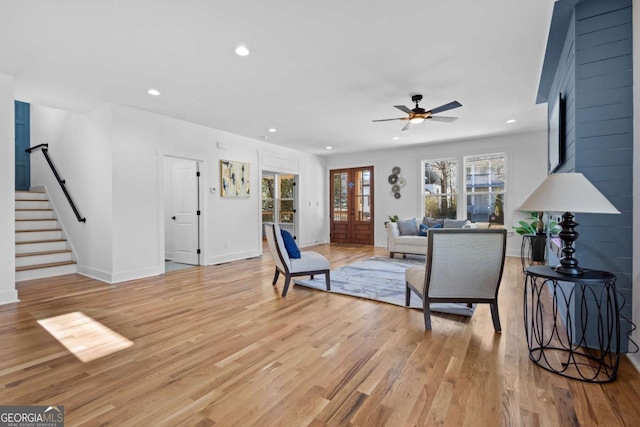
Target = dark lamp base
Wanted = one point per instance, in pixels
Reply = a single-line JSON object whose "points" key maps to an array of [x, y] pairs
{"points": [[573, 271]]}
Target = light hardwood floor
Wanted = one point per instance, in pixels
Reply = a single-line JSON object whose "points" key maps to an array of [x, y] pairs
{"points": [[219, 346]]}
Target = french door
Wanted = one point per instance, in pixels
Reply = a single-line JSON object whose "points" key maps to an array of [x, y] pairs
{"points": [[352, 205]]}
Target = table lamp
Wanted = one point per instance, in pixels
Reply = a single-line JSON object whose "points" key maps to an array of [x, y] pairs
{"points": [[569, 193]]}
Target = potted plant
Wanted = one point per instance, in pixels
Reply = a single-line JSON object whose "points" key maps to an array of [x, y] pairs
{"points": [[392, 218]]}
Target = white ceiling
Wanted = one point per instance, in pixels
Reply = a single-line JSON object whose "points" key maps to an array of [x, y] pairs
{"points": [[319, 70]]}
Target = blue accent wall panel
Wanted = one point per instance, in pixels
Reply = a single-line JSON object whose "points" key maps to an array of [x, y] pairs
{"points": [[595, 75], [22, 142], [604, 109]]}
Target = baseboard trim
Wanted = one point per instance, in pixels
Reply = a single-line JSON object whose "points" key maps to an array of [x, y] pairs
{"points": [[513, 252], [312, 243], [9, 297], [125, 276], [635, 360], [94, 273], [221, 259]]}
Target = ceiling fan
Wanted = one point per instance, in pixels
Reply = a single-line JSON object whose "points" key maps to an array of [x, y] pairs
{"points": [[419, 115]]}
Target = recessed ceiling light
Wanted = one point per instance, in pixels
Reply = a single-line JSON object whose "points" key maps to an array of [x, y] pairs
{"points": [[395, 138], [154, 92], [242, 51], [272, 130], [329, 147], [511, 121]]}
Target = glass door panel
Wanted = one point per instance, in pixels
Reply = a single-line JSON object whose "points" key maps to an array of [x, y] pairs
{"points": [[362, 195], [340, 197], [286, 186]]}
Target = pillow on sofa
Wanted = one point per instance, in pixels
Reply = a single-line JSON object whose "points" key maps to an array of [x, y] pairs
{"points": [[431, 222], [407, 227], [290, 244], [422, 230], [454, 223]]}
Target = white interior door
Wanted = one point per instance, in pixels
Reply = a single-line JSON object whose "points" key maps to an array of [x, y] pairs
{"points": [[184, 202]]}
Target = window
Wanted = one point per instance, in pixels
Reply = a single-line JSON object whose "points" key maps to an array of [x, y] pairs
{"points": [[285, 198], [440, 188], [363, 195], [278, 198], [485, 195], [482, 192], [268, 196]]}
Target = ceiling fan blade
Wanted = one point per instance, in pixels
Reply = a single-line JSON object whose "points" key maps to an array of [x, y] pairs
{"points": [[403, 109], [445, 107], [386, 120], [407, 126], [443, 119]]}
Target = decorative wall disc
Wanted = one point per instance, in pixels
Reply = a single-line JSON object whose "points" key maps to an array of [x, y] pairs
{"points": [[397, 182]]}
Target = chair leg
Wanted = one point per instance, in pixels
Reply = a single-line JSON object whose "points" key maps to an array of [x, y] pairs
{"points": [[495, 316], [391, 254], [427, 316], [407, 298], [275, 278], [311, 276], [287, 280], [327, 278]]}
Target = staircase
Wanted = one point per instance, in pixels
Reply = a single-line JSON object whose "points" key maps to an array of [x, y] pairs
{"points": [[41, 248]]}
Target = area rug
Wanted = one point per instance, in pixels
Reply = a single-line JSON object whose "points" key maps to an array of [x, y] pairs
{"points": [[379, 279]]}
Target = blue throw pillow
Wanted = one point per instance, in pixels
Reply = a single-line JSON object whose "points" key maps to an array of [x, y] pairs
{"points": [[290, 244], [422, 231]]}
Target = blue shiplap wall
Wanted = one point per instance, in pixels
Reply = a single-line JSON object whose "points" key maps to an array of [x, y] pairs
{"points": [[594, 74]]}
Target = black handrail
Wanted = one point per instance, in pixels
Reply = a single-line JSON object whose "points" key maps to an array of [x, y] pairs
{"points": [[45, 151]]}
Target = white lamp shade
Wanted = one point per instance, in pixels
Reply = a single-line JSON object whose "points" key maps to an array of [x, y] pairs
{"points": [[568, 192]]}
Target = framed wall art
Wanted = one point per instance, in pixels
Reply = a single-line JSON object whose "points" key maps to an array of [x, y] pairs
{"points": [[556, 135], [235, 179]]}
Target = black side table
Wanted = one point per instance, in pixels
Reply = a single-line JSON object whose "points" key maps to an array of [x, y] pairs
{"points": [[562, 341]]}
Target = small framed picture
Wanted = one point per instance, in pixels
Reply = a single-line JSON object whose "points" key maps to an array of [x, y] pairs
{"points": [[556, 135]]}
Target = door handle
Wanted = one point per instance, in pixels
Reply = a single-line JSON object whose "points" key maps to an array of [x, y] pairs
{"points": [[173, 218]]}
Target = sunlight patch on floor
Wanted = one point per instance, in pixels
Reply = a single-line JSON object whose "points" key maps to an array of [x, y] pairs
{"points": [[86, 338]]}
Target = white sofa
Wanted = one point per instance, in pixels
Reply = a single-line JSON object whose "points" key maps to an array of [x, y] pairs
{"points": [[414, 244]]}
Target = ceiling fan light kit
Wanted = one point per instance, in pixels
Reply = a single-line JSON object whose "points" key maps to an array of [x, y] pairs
{"points": [[419, 115]]}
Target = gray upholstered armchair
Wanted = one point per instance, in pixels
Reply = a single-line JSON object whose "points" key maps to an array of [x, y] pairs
{"points": [[462, 266], [308, 264]]}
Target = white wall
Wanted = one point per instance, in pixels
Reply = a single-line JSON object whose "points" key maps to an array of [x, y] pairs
{"points": [[526, 169], [7, 192], [231, 226], [635, 358], [79, 146], [112, 159]]}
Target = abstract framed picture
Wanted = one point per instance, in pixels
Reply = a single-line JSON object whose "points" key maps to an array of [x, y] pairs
{"points": [[556, 135], [235, 179]]}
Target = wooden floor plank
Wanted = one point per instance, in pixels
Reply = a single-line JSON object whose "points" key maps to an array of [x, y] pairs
{"points": [[218, 345]]}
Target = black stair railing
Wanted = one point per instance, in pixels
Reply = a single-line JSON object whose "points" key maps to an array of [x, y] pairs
{"points": [[45, 150]]}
